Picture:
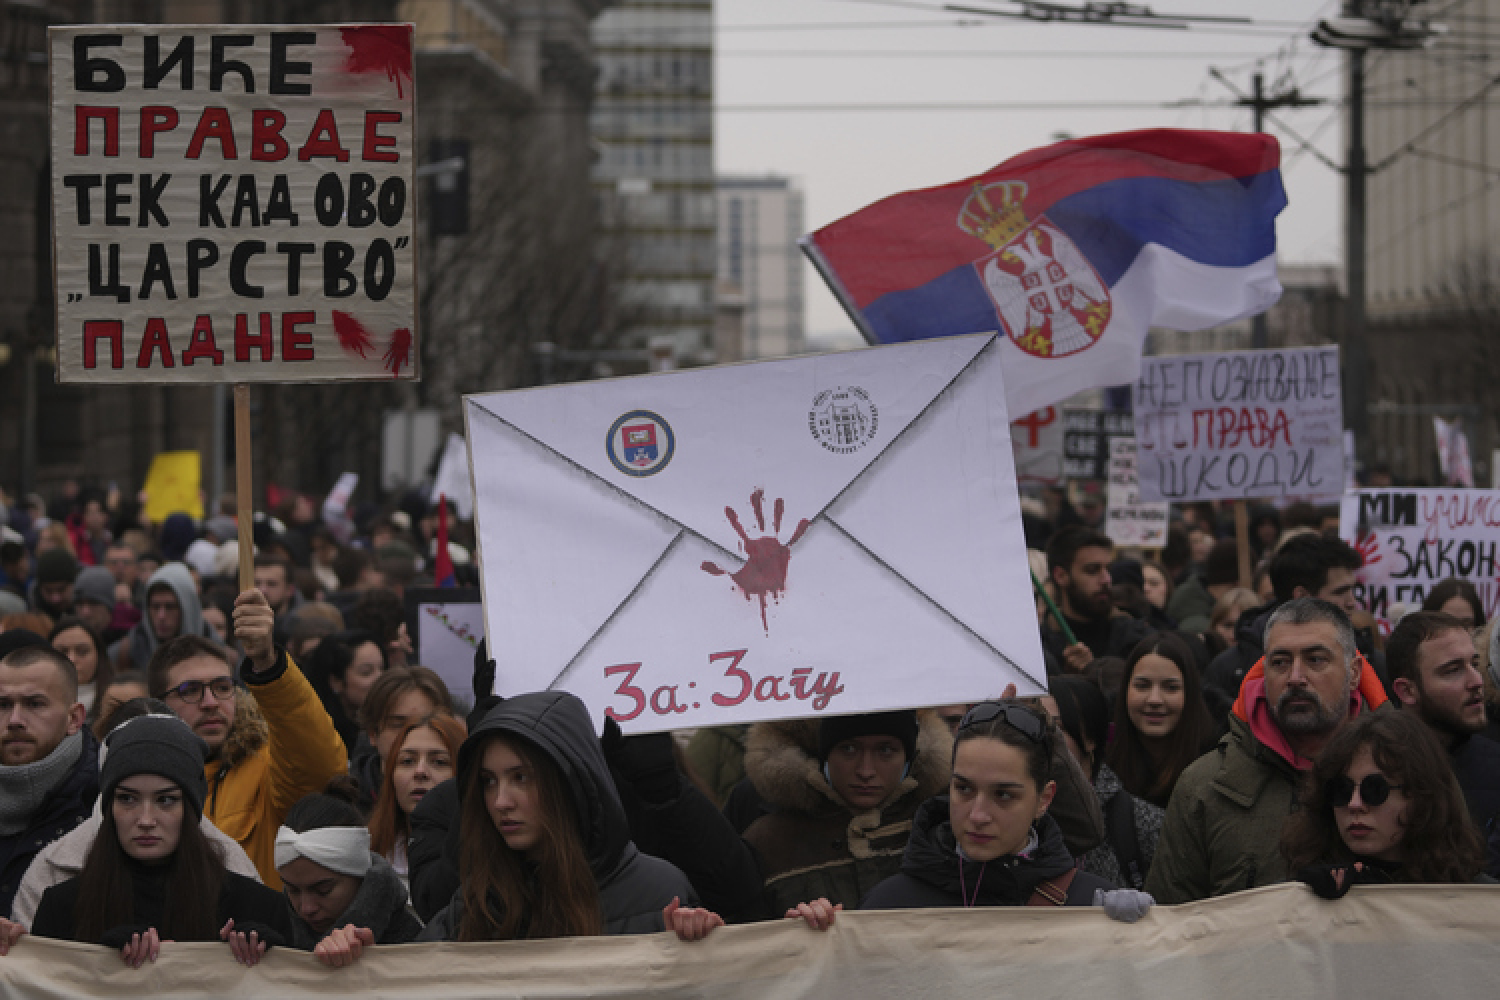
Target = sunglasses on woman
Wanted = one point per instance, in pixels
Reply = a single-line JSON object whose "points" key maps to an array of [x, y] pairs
{"points": [[1374, 789], [1018, 718]]}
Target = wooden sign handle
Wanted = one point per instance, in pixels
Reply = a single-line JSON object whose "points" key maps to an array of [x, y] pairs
{"points": [[244, 505]]}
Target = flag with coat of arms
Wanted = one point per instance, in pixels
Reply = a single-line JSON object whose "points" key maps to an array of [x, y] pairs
{"points": [[1074, 250]]}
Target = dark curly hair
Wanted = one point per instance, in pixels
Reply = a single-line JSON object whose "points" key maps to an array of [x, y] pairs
{"points": [[1440, 844]]}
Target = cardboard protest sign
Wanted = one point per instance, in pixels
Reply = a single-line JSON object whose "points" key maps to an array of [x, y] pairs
{"points": [[1036, 441], [446, 626], [174, 485], [811, 536], [234, 203], [1240, 424], [1086, 441], [1130, 520], [1411, 539]]}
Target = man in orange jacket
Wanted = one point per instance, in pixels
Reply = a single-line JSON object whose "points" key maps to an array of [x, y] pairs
{"points": [[270, 742]]}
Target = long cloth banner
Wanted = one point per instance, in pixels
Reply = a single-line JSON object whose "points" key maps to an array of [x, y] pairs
{"points": [[1281, 941]]}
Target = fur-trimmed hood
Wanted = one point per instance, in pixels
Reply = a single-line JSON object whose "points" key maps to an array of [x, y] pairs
{"points": [[781, 760], [248, 733]]}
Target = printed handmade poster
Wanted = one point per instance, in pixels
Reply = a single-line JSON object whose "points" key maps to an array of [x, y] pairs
{"points": [[813, 536]]}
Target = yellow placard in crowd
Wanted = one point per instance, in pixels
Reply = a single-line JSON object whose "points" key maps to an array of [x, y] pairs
{"points": [[174, 485]]}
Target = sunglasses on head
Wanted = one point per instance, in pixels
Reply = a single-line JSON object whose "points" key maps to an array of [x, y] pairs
{"points": [[1018, 718], [1374, 789]]}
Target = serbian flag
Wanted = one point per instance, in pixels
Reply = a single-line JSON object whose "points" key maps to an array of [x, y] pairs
{"points": [[1075, 251], [442, 570]]}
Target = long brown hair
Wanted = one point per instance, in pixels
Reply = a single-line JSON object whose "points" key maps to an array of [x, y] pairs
{"points": [[1440, 844], [195, 876], [1140, 773], [388, 824], [500, 901]]}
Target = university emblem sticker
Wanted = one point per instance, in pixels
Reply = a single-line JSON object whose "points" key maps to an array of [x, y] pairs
{"points": [[843, 419], [640, 443], [1050, 300]]}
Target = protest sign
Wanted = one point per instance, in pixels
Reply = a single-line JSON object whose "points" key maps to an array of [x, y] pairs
{"points": [[446, 625], [1240, 424], [1036, 441], [1086, 441], [810, 536], [1130, 521], [452, 478], [233, 203], [1281, 941], [173, 485], [1411, 539]]}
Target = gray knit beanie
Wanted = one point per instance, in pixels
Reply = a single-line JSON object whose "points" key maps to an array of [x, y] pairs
{"points": [[156, 744]]}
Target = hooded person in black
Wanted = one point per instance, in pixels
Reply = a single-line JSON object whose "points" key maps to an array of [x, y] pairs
{"points": [[546, 739]]}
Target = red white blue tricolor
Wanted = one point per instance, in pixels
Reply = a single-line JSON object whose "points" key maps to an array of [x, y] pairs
{"points": [[1075, 251]]}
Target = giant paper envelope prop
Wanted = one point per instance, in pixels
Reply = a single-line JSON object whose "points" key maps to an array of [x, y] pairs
{"points": [[823, 535]]}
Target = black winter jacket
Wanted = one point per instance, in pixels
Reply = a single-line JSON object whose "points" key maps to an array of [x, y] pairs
{"points": [[69, 804], [933, 874], [1476, 764], [379, 906], [252, 906], [633, 887], [671, 820]]}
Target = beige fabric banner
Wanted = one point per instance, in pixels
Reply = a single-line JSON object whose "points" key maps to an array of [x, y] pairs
{"points": [[1282, 941]]}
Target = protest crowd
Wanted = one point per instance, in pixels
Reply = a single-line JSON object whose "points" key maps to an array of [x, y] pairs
{"points": [[183, 761]]}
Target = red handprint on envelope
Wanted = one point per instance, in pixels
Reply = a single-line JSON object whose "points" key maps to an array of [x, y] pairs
{"points": [[766, 558]]}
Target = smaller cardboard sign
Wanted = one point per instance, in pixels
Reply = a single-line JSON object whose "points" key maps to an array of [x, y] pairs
{"points": [[1086, 441], [1037, 442], [174, 486], [1130, 520], [446, 626]]}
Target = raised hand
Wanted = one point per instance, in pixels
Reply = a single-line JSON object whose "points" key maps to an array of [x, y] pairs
{"points": [[10, 933]]}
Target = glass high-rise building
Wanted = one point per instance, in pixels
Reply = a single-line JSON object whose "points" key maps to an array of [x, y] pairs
{"points": [[654, 177]]}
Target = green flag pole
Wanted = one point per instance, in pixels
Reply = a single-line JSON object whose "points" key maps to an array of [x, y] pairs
{"points": [[1057, 615]]}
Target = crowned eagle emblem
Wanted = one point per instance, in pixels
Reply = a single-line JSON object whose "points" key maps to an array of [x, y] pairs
{"points": [[1050, 300]]}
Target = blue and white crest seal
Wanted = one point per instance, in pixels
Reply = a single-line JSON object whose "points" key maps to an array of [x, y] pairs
{"points": [[640, 443]]}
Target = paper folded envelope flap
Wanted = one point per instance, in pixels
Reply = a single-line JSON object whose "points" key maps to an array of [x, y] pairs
{"points": [[953, 470], [561, 550], [695, 445]]}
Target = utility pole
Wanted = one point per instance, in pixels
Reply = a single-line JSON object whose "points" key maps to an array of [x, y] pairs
{"points": [[1259, 104], [1363, 26]]}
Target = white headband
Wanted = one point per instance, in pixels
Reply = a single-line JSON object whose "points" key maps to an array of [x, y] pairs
{"points": [[342, 849]]}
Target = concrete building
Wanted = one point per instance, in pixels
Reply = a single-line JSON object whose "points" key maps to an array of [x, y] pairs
{"points": [[1432, 131], [654, 179], [760, 219]]}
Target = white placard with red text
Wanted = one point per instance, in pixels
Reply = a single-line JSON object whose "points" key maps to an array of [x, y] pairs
{"points": [[234, 203], [1412, 539], [801, 537], [1240, 424]]}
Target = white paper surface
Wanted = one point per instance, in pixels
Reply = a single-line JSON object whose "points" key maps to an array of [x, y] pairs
{"points": [[1131, 521], [894, 574], [1412, 539], [1240, 424]]}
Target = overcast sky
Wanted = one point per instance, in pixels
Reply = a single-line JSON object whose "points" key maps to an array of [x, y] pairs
{"points": [[824, 56]]}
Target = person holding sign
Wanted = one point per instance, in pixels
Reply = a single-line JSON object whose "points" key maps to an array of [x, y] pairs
{"points": [[151, 839], [1382, 805], [1078, 562], [345, 897], [269, 742], [546, 847], [989, 841]]}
